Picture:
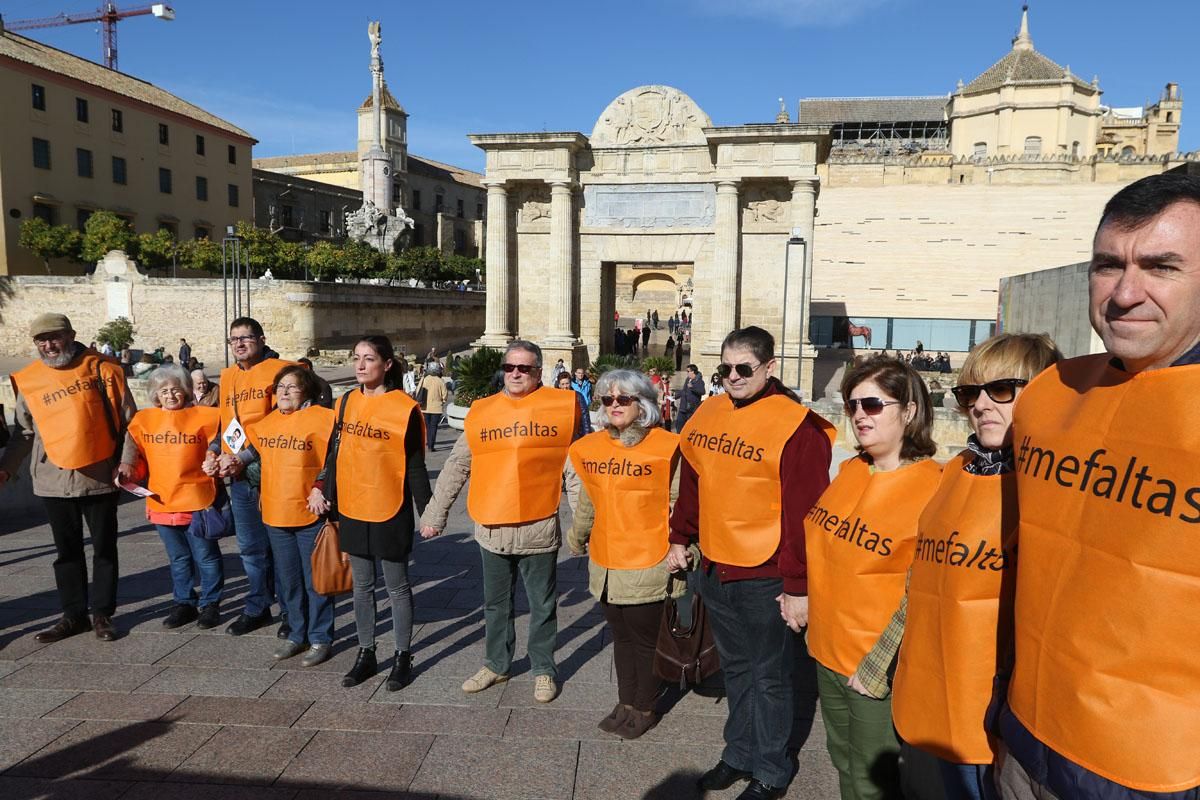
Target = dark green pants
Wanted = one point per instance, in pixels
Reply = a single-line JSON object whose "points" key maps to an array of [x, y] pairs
{"points": [[540, 575], [861, 740]]}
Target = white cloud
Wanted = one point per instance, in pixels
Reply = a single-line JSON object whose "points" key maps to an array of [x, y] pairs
{"points": [[793, 13]]}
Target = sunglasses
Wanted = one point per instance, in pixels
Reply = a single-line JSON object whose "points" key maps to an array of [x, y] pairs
{"points": [[744, 370], [873, 406], [524, 369], [621, 400], [1003, 391]]}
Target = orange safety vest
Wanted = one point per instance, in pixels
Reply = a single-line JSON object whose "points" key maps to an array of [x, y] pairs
{"points": [[292, 448], [859, 538], [518, 449], [69, 410], [371, 463], [1106, 622], [736, 453], [255, 392], [965, 547], [630, 488], [174, 444]]}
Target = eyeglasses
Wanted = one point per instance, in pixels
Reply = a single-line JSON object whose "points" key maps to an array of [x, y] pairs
{"points": [[170, 391], [621, 400], [239, 339], [1003, 391], [744, 370], [873, 406], [285, 388], [524, 369]]}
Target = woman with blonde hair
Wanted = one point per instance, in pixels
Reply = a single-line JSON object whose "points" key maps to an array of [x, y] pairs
{"points": [[860, 538], [621, 519], [958, 636]]}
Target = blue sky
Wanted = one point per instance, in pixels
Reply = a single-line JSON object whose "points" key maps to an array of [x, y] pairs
{"points": [[292, 73]]}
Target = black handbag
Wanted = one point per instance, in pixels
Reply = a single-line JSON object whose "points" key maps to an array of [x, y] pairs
{"points": [[685, 653]]}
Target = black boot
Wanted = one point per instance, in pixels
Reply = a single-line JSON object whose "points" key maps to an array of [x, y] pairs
{"points": [[364, 667], [401, 671]]}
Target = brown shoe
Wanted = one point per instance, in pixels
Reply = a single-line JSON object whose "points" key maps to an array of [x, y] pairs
{"points": [[637, 723], [67, 626], [103, 627], [615, 718]]}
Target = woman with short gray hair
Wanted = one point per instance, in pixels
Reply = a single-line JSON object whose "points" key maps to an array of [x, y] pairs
{"points": [[165, 445], [628, 471]]}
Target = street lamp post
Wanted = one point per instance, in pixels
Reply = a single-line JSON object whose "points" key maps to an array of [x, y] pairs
{"points": [[794, 239]]}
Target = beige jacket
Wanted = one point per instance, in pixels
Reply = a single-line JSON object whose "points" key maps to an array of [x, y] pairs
{"points": [[435, 394], [48, 479], [625, 587], [539, 536]]}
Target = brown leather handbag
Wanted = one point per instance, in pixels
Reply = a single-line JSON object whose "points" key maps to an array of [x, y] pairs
{"points": [[685, 654], [331, 573]]}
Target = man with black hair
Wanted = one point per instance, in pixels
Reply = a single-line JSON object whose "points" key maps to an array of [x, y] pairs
{"points": [[1103, 696]]}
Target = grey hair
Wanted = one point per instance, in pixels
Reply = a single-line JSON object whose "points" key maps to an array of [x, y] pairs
{"points": [[528, 347], [631, 382], [434, 368], [165, 374]]}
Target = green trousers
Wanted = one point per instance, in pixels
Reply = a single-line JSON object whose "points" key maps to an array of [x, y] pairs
{"points": [[861, 740], [539, 573]]}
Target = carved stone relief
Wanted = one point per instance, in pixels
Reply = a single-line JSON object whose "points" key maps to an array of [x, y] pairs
{"points": [[533, 204], [766, 205], [670, 205], [651, 116]]}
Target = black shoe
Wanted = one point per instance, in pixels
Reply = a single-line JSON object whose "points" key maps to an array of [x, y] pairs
{"points": [[401, 674], [757, 790], [364, 667], [102, 624], [284, 631], [180, 615], [244, 624], [65, 627], [721, 777], [209, 617]]}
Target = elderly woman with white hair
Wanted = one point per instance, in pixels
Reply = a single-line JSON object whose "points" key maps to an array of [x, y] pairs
{"points": [[628, 472], [165, 446]]}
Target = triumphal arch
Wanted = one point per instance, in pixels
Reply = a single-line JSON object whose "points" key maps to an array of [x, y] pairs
{"points": [[656, 198]]}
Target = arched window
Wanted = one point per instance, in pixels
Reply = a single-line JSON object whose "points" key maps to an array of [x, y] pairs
{"points": [[1033, 145], [1128, 152], [980, 150], [1170, 116], [1074, 149]]}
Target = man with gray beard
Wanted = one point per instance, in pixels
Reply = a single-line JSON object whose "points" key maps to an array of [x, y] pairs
{"points": [[72, 410]]}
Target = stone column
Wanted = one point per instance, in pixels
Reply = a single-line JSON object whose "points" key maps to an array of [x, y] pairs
{"points": [[803, 213], [496, 332], [722, 304], [562, 265]]}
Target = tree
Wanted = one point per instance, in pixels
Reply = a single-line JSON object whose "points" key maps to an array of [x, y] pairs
{"points": [[260, 248], [202, 254], [106, 231], [156, 250], [422, 263], [118, 333], [289, 260], [361, 260], [324, 260], [48, 241]]}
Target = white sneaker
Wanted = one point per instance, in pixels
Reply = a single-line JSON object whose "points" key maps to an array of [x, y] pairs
{"points": [[544, 689], [481, 680]]}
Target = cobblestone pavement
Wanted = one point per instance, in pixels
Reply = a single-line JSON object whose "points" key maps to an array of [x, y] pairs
{"points": [[199, 714]]}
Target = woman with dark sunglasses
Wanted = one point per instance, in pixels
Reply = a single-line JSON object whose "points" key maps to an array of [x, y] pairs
{"points": [[860, 537], [957, 634], [628, 472]]}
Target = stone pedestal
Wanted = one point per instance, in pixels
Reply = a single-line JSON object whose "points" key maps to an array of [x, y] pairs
{"points": [[803, 217]]}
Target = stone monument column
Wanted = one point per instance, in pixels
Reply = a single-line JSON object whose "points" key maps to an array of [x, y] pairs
{"points": [[803, 215], [722, 304], [496, 332], [562, 263]]}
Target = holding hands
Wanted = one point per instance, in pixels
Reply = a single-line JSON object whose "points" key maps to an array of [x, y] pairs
{"points": [[317, 504], [794, 610]]}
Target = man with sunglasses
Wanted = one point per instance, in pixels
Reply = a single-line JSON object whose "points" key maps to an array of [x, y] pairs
{"points": [[246, 396], [1105, 688], [514, 452], [754, 461]]}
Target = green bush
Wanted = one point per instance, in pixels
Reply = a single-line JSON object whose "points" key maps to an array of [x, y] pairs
{"points": [[664, 365], [118, 334], [48, 241], [613, 361], [473, 376], [106, 231]]}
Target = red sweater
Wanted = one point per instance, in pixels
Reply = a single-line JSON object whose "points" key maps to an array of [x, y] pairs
{"points": [[804, 475]]}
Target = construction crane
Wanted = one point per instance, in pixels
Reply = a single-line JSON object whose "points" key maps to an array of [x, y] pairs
{"points": [[107, 15]]}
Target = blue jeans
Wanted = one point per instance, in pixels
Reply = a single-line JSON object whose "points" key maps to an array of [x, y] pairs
{"points": [[255, 548], [759, 660], [191, 557], [309, 614], [968, 781]]}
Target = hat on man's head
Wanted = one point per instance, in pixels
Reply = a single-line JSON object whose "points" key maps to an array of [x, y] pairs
{"points": [[49, 323]]}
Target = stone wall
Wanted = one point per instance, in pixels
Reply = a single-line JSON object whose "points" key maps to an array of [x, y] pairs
{"points": [[296, 315], [1053, 301]]}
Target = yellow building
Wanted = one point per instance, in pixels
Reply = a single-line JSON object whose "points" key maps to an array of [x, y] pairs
{"points": [[1150, 131], [78, 137]]}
